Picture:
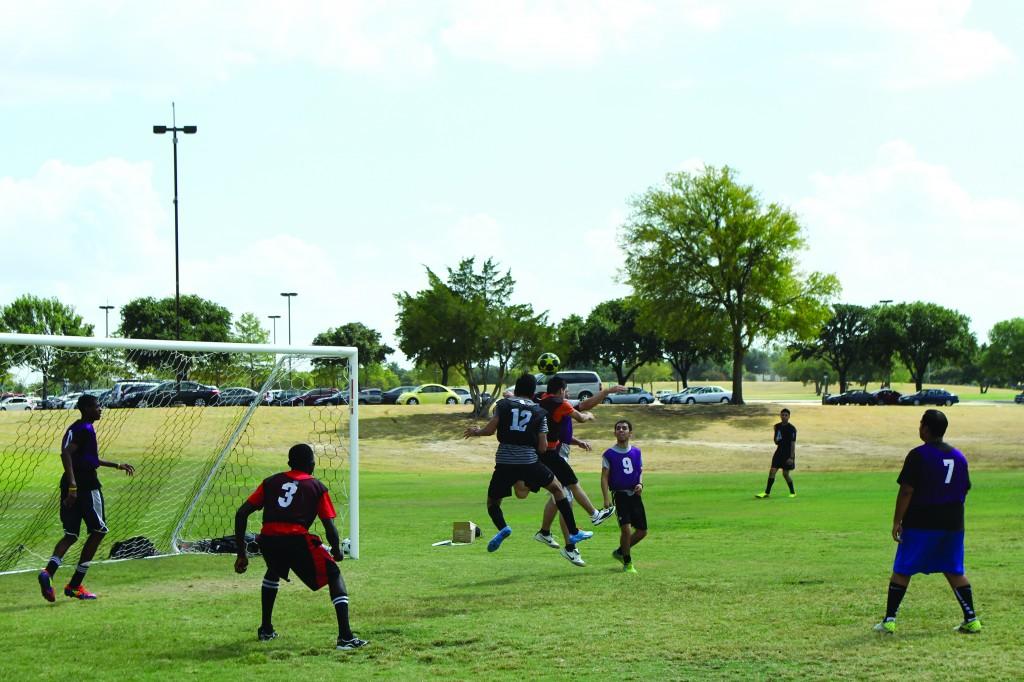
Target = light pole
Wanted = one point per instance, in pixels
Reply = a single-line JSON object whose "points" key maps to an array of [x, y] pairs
{"points": [[275, 318], [106, 319], [289, 295], [188, 130]]}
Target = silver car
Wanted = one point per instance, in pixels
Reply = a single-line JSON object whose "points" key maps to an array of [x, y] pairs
{"points": [[631, 396]]}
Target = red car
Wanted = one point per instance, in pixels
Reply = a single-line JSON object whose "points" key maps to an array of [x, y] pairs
{"points": [[312, 395]]}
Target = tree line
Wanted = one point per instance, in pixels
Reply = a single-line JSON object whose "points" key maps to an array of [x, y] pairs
{"points": [[715, 278]]}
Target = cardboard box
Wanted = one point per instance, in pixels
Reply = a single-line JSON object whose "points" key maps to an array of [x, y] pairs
{"points": [[464, 531]]}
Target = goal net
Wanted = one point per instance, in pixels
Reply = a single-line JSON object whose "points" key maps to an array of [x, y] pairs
{"points": [[202, 423]]}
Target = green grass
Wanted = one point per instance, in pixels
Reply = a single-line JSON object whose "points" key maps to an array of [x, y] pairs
{"points": [[729, 588]]}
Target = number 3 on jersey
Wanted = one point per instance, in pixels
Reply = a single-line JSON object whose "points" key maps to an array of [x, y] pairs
{"points": [[289, 490]]}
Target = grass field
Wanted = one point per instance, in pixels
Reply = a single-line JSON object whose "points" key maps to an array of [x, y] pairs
{"points": [[729, 587]]}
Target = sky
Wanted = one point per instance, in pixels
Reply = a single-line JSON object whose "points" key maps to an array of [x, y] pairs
{"points": [[344, 147]]}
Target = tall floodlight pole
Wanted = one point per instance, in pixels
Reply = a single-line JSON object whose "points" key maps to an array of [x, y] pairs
{"points": [[106, 322], [275, 318], [188, 130], [289, 295]]}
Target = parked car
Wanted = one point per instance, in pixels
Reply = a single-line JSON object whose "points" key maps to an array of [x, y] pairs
{"points": [[15, 403], [283, 396], [336, 398], [70, 400], [663, 394], [850, 398], [312, 395], [370, 396], [633, 395], [237, 395], [174, 392], [707, 394], [1019, 399], [579, 384], [467, 397], [886, 396], [389, 397], [122, 389], [429, 394], [54, 402], [930, 396], [680, 397]]}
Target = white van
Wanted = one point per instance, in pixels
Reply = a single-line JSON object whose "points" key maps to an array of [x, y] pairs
{"points": [[580, 384]]}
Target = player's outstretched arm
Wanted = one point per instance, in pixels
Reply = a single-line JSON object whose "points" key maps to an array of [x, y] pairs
{"points": [[241, 520], [331, 533], [595, 400], [488, 430], [580, 443], [123, 466]]}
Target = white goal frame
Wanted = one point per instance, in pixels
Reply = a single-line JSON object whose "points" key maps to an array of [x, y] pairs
{"points": [[348, 352]]}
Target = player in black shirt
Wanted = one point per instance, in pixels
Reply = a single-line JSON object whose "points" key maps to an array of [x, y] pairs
{"points": [[291, 501], [785, 455], [521, 426]]}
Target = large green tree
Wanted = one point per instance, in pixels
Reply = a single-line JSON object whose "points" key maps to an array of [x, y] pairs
{"points": [[423, 318], [30, 314], [1003, 359], [704, 246], [372, 350], [256, 367], [611, 336], [201, 320], [923, 333], [842, 341]]}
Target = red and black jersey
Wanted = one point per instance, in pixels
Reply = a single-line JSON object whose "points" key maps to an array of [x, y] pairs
{"points": [[291, 501], [558, 409]]}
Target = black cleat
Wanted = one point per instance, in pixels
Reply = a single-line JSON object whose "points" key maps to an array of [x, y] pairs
{"points": [[349, 644], [266, 635]]}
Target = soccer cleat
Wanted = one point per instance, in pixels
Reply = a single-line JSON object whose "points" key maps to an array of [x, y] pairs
{"points": [[969, 627], [761, 496], [573, 556], [349, 644], [266, 635], [886, 627], [617, 555], [496, 541], [45, 587], [78, 592], [628, 568], [601, 514], [546, 539], [792, 495], [580, 535]]}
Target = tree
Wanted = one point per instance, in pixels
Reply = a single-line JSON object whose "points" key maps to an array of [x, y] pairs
{"points": [[201, 320], [372, 351], [842, 341], [30, 314], [704, 249], [257, 366], [422, 319], [1003, 359], [922, 333], [611, 337]]}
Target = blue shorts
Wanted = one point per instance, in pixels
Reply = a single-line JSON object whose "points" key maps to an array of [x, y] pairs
{"points": [[930, 551]]}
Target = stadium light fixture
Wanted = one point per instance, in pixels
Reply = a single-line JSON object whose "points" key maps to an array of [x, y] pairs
{"points": [[106, 323], [188, 130], [275, 318]]}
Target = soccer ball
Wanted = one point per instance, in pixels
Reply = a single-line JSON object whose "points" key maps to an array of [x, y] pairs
{"points": [[346, 547], [548, 363]]}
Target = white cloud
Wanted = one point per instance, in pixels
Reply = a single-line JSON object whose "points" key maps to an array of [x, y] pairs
{"points": [[917, 43], [906, 229]]}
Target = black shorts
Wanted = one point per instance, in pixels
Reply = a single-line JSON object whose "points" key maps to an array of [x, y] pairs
{"points": [[630, 509], [304, 554], [559, 466], [535, 476], [88, 507], [780, 461]]}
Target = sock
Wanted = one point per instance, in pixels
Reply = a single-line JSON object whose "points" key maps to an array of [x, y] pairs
{"points": [[892, 604], [497, 516], [569, 547], [341, 609], [52, 565], [965, 596], [565, 509], [789, 482], [268, 593], [627, 559], [768, 488], [545, 533], [79, 574]]}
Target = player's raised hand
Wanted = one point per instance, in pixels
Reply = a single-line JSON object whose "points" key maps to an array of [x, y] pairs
{"points": [[616, 389], [127, 468], [241, 563], [584, 444]]}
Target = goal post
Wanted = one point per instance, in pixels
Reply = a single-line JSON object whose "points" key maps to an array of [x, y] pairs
{"points": [[203, 423]]}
